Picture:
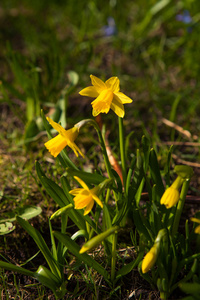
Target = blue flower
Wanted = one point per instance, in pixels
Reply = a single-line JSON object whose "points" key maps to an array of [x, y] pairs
{"points": [[110, 29], [185, 17]]}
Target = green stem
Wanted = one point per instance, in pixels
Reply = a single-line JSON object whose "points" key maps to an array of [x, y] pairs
{"points": [[101, 140], [180, 206], [113, 259], [107, 196], [122, 149]]}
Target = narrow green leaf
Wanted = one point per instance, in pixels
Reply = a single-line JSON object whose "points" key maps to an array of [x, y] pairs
{"points": [[190, 288], [47, 278], [129, 267], [11, 267], [74, 249], [34, 233], [51, 187], [91, 178], [155, 173], [146, 151], [61, 211], [95, 241]]}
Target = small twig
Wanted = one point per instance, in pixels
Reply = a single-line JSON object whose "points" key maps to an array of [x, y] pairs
{"points": [[192, 144], [188, 163], [178, 128]]}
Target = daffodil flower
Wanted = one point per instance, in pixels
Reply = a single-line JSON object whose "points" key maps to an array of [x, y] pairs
{"points": [[197, 229], [84, 197], [151, 256], [63, 139], [107, 96], [171, 195], [150, 259]]}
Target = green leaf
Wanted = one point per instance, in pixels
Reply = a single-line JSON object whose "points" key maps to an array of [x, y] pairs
{"points": [[6, 228], [34, 233], [74, 249], [190, 288], [61, 211], [51, 187], [95, 241], [30, 108], [155, 173], [129, 267], [47, 278], [141, 224], [136, 182], [26, 212], [146, 151], [11, 267], [87, 177], [31, 130]]}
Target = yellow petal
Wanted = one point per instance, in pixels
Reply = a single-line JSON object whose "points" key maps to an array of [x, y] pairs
{"points": [[89, 91], [148, 261], [55, 125], [98, 84], [197, 229], [118, 108], [82, 183], [122, 98], [195, 220], [113, 84], [89, 207], [102, 103], [76, 149], [56, 145], [75, 192], [98, 200]]}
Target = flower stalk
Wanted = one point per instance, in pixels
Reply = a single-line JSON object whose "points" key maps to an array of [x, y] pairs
{"points": [[122, 150], [180, 206]]}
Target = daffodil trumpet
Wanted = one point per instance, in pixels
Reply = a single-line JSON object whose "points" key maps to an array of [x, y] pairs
{"points": [[171, 195]]}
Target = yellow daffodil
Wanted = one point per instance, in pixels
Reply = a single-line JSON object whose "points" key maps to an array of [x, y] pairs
{"points": [[171, 195], [151, 256], [107, 96], [150, 259], [197, 229], [63, 139], [84, 197]]}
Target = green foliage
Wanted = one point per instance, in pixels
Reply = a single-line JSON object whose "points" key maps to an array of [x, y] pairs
{"points": [[155, 53], [26, 212]]}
